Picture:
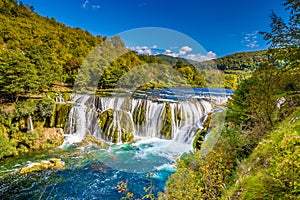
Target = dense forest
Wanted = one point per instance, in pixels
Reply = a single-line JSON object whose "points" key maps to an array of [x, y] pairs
{"points": [[37, 51]]}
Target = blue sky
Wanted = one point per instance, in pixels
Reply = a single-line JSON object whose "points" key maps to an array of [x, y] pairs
{"points": [[221, 27]]}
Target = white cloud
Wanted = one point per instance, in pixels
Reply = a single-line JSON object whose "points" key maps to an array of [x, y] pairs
{"points": [[153, 50], [200, 57], [168, 51], [183, 50], [85, 3], [250, 40], [172, 54], [252, 44], [96, 6], [142, 50]]}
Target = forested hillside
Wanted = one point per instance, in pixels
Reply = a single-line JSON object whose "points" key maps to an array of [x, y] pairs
{"points": [[237, 61], [38, 51], [235, 67]]}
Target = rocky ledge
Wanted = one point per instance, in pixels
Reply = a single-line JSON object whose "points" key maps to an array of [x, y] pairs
{"points": [[51, 164]]}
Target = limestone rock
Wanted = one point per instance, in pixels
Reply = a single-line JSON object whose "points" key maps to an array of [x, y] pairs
{"points": [[93, 141], [51, 164], [49, 138]]}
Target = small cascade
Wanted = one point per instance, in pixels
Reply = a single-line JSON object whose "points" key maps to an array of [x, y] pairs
{"points": [[77, 124], [29, 124], [121, 119], [59, 98]]}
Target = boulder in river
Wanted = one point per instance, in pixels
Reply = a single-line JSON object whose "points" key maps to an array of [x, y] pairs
{"points": [[52, 164]]}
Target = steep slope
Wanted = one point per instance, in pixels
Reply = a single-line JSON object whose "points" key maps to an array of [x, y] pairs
{"points": [[38, 51], [272, 170]]}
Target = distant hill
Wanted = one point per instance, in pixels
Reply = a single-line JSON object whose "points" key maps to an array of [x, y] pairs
{"points": [[170, 60], [235, 67], [242, 60], [237, 61]]}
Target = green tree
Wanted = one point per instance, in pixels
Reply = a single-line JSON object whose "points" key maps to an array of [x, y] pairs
{"points": [[6, 148], [254, 102], [284, 40], [17, 74], [26, 109]]}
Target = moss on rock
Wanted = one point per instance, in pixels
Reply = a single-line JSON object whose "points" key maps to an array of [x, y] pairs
{"points": [[199, 138], [178, 115], [6, 148], [92, 140], [48, 120], [139, 113], [51, 164], [121, 131], [126, 127], [104, 121], [48, 138], [201, 133], [166, 130], [41, 138], [60, 115], [127, 137]]}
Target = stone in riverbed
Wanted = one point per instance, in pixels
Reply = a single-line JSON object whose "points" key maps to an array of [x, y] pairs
{"points": [[90, 140], [51, 164]]}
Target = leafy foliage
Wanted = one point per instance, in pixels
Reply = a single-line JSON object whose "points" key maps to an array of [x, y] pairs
{"points": [[15, 137], [37, 51], [254, 102], [123, 188], [272, 171], [257, 155]]}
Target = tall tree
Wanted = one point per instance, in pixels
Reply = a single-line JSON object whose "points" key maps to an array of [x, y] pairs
{"points": [[17, 74], [284, 39]]}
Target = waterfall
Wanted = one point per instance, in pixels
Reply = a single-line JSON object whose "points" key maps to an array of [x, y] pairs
{"points": [[29, 124], [122, 118], [77, 125]]}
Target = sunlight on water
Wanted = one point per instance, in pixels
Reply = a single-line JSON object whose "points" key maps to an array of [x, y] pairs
{"points": [[94, 173]]}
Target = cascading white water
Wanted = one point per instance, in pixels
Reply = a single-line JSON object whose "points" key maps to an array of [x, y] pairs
{"points": [[144, 117], [29, 124], [77, 125]]}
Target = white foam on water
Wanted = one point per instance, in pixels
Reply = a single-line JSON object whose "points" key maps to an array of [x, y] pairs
{"points": [[166, 167], [148, 149]]}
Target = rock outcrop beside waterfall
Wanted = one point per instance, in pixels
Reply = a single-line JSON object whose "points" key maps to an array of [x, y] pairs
{"points": [[32, 125]]}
